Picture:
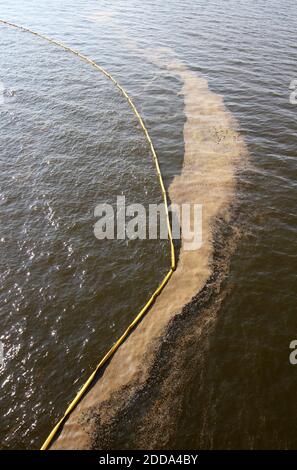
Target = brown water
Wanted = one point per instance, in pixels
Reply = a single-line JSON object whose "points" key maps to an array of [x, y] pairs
{"points": [[66, 298]]}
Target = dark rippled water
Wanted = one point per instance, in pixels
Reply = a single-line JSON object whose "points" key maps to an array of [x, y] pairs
{"points": [[69, 141]]}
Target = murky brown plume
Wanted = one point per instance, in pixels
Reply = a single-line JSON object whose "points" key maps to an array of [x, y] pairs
{"points": [[213, 153]]}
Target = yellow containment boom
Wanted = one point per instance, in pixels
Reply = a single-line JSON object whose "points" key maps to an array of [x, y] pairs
{"points": [[146, 307]]}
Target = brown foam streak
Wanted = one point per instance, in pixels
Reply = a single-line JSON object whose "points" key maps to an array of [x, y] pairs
{"points": [[212, 153]]}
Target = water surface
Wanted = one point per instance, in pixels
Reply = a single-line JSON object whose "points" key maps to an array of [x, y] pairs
{"points": [[69, 140]]}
